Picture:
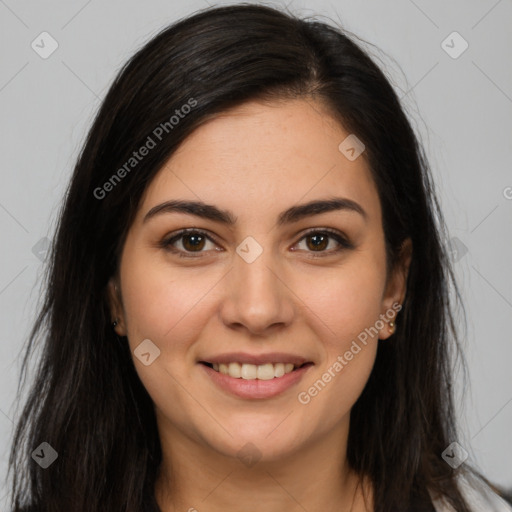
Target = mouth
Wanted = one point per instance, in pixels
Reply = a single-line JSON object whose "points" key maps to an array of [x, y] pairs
{"points": [[267, 371], [254, 381]]}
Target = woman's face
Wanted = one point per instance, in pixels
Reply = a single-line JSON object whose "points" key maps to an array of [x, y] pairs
{"points": [[263, 291]]}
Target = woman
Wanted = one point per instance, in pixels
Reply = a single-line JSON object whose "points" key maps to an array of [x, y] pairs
{"points": [[248, 295]]}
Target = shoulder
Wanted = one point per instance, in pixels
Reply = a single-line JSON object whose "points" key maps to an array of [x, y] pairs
{"points": [[479, 496]]}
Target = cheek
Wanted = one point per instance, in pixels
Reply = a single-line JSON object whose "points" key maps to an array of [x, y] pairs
{"points": [[347, 299], [162, 306], [159, 302], [346, 306], [349, 349]]}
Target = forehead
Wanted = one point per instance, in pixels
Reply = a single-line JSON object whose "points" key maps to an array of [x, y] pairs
{"points": [[259, 156]]}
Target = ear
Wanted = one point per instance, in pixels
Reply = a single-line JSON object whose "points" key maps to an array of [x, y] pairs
{"points": [[396, 287], [116, 306]]}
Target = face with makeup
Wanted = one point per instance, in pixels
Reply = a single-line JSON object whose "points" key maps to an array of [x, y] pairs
{"points": [[284, 262]]}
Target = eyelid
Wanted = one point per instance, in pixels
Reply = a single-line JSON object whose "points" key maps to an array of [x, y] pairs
{"points": [[167, 242], [342, 240]]}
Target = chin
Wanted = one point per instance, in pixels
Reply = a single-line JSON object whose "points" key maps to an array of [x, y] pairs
{"points": [[260, 444]]}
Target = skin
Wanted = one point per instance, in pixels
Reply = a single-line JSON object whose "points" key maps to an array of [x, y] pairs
{"points": [[256, 161]]}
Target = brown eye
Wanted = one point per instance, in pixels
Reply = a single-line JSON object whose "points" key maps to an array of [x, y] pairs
{"points": [[318, 240], [192, 241]]}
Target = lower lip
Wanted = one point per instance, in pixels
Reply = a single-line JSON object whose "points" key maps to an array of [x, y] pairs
{"points": [[256, 389]]}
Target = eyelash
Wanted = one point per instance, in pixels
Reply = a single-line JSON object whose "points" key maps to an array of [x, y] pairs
{"points": [[167, 243]]}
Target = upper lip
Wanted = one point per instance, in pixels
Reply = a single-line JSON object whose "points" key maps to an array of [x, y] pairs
{"points": [[257, 359]]}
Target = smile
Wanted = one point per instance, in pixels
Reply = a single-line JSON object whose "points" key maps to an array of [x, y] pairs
{"points": [[246, 371], [250, 381]]}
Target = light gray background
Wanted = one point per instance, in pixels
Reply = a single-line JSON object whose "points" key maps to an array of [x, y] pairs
{"points": [[461, 107]]}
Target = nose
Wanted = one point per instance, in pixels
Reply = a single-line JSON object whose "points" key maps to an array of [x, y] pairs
{"points": [[257, 296]]}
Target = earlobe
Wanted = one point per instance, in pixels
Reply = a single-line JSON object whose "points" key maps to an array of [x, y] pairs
{"points": [[116, 308], [396, 290], [388, 329]]}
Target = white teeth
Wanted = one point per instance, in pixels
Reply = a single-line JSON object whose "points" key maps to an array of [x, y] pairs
{"points": [[278, 370], [249, 371], [266, 371], [235, 370]]}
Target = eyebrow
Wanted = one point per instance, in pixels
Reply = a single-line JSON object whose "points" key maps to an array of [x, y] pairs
{"points": [[289, 216]]}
